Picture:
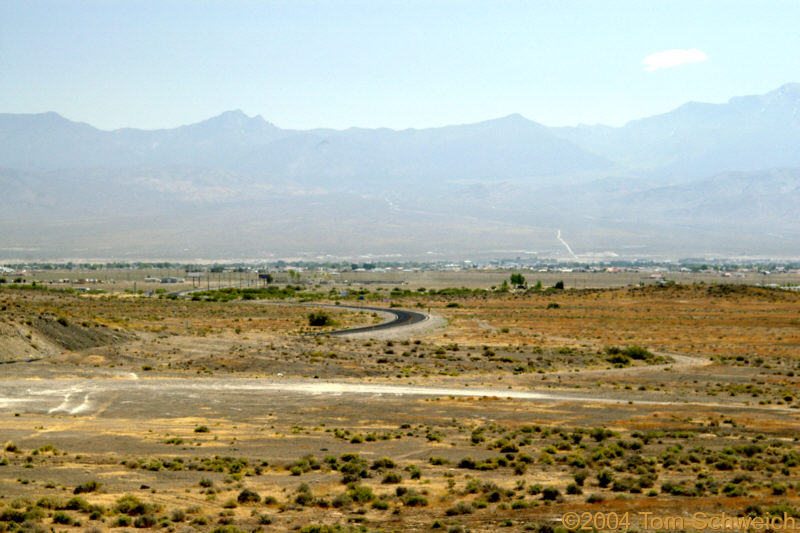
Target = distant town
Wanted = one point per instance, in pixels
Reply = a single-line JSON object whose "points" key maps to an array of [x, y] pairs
{"points": [[148, 276]]}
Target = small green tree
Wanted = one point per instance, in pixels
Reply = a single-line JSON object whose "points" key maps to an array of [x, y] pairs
{"points": [[518, 281], [319, 318]]}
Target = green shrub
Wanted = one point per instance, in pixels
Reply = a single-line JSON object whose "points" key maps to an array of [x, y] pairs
{"points": [[550, 493], [600, 434], [383, 462], [248, 496], [319, 318], [360, 494], [573, 488], [380, 505], [467, 462], [414, 499], [144, 521], [392, 478], [131, 505], [342, 500], [49, 503], [335, 528], [676, 489], [605, 478], [732, 490], [414, 471], [77, 504], [12, 515], [60, 517], [123, 520], [304, 496], [619, 359], [459, 509], [637, 352], [226, 529], [89, 486]]}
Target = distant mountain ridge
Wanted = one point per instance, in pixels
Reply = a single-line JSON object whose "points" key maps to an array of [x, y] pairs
{"points": [[696, 139], [701, 179], [502, 148], [747, 133]]}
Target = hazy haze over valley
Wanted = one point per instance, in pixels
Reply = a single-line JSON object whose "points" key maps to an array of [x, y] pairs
{"points": [[703, 179]]}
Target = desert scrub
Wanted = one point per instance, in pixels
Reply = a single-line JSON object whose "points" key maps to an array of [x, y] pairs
{"points": [[304, 465], [304, 496], [122, 521], [248, 496], [89, 486], [459, 509], [133, 506], [319, 319], [392, 478], [144, 521], [352, 468], [383, 463], [413, 499], [11, 447]]}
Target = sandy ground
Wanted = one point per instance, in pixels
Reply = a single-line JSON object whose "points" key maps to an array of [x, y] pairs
{"points": [[481, 432]]}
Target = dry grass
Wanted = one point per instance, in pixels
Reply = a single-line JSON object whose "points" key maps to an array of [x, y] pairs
{"points": [[732, 448]]}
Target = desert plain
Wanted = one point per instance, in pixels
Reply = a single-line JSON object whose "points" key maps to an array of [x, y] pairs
{"points": [[642, 407]]}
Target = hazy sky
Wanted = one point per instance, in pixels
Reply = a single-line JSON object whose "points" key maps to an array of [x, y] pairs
{"points": [[303, 64]]}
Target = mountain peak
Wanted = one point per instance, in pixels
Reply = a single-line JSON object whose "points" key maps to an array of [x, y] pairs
{"points": [[789, 90], [234, 120], [234, 115], [515, 120], [514, 117]]}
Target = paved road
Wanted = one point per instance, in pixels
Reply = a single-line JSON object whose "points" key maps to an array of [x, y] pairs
{"points": [[402, 317]]}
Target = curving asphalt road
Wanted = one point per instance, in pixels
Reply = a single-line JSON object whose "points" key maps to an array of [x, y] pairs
{"points": [[402, 317]]}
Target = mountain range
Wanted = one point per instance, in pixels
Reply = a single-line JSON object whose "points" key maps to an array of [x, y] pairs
{"points": [[701, 180]]}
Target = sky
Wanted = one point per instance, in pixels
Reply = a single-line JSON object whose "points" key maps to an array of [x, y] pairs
{"points": [[388, 63]]}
